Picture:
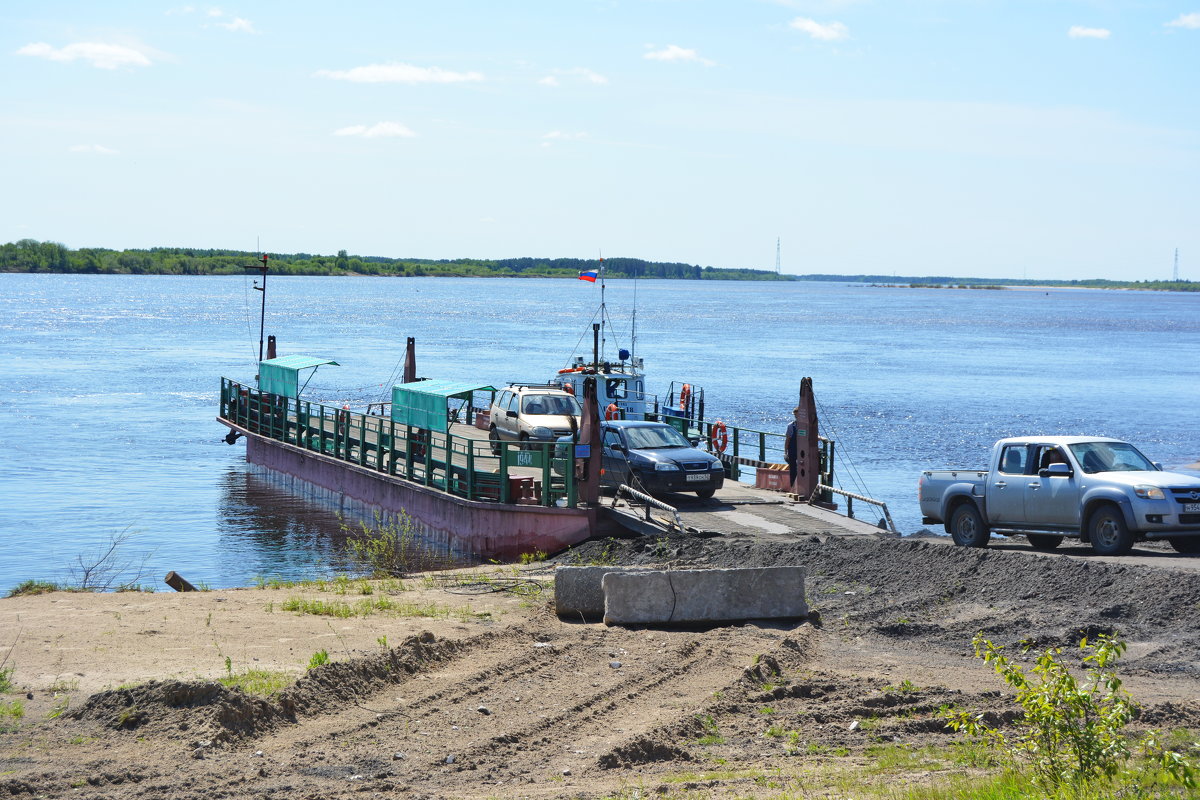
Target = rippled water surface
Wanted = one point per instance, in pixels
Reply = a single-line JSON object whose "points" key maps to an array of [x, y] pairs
{"points": [[108, 387]]}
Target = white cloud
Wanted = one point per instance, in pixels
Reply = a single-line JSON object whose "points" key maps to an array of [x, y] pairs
{"points": [[92, 148], [815, 5], [582, 73], [377, 131], [562, 136], [1190, 21], [238, 25], [674, 52], [825, 32], [101, 56], [398, 73], [216, 12], [1080, 32], [589, 76]]}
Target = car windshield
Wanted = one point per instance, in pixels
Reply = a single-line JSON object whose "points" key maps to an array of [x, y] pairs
{"points": [[1110, 457], [653, 437], [557, 404]]}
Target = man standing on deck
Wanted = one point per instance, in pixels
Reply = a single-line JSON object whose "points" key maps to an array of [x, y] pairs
{"points": [[789, 449]]}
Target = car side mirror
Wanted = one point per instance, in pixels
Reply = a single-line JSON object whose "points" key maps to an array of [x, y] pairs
{"points": [[511, 414], [1158, 465], [695, 440], [1056, 471], [617, 446]]}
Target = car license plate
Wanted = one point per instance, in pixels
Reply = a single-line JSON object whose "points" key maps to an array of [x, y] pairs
{"points": [[697, 476], [1191, 508]]}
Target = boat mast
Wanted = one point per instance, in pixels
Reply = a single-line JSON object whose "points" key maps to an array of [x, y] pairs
{"points": [[262, 314], [633, 333], [603, 309]]}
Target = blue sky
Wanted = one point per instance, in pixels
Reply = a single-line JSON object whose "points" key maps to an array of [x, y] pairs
{"points": [[1032, 138]]}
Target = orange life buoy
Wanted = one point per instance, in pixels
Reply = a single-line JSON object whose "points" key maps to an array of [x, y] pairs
{"points": [[569, 369], [685, 394], [612, 412], [719, 436], [569, 388]]}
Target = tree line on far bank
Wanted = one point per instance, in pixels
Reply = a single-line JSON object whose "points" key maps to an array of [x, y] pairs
{"points": [[29, 255]]}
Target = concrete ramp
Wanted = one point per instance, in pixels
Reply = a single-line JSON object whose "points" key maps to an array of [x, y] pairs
{"points": [[743, 510]]}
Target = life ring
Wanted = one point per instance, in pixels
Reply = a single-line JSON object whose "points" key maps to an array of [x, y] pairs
{"points": [[569, 388], [569, 369], [719, 436], [612, 412], [685, 394]]}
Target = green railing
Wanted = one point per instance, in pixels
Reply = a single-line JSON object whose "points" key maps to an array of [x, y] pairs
{"points": [[751, 448], [527, 473]]}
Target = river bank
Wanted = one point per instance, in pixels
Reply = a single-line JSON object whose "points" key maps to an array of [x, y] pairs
{"points": [[467, 685]]}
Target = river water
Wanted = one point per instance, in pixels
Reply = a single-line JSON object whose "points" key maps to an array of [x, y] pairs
{"points": [[109, 384]]}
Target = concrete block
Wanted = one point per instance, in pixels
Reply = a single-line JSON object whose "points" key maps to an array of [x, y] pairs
{"points": [[703, 595], [578, 593]]}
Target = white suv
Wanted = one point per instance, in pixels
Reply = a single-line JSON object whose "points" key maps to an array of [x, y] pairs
{"points": [[532, 413]]}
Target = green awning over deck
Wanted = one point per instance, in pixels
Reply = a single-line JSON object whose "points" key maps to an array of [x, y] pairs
{"points": [[422, 404], [282, 375]]}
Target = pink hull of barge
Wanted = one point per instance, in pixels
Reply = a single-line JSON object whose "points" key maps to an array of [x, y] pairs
{"points": [[490, 530]]}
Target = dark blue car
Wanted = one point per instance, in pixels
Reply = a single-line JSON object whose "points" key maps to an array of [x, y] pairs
{"points": [[655, 458]]}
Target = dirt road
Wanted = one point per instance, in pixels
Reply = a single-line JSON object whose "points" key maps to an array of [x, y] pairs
{"points": [[491, 695]]}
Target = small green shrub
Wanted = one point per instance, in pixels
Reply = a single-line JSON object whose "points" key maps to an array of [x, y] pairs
{"points": [[391, 548], [319, 659], [6, 684], [32, 587], [1071, 734]]}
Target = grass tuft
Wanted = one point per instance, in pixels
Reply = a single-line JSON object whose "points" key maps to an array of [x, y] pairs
{"points": [[258, 682], [32, 587]]}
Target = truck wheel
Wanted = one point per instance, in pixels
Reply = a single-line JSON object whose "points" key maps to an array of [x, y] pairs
{"points": [[1108, 532], [967, 528], [1043, 541], [1185, 544], [494, 438], [706, 494]]}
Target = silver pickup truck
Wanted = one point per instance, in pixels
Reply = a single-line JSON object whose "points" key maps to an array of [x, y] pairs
{"points": [[1047, 487]]}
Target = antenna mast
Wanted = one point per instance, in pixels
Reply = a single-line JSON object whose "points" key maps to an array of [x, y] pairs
{"points": [[603, 308], [777, 241], [262, 314], [1176, 265]]}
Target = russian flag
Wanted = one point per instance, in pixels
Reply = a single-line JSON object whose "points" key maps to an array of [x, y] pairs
{"points": [[588, 275]]}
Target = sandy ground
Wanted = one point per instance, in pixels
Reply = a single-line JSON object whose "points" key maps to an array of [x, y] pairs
{"points": [[489, 694]]}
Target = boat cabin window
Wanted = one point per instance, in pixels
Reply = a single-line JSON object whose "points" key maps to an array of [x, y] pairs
{"points": [[615, 387], [1012, 460]]}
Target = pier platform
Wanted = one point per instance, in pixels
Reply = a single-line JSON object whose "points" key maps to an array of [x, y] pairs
{"points": [[738, 509]]}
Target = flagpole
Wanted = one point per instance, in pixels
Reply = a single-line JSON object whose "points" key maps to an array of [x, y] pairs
{"points": [[603, 308]]}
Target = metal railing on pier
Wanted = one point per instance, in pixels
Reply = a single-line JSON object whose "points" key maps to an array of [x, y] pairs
{"points": [[651, 502], [850, 498]]}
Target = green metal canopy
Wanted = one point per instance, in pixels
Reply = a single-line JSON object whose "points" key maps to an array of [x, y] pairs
{"points": [[422, 404], [282, 375]]}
